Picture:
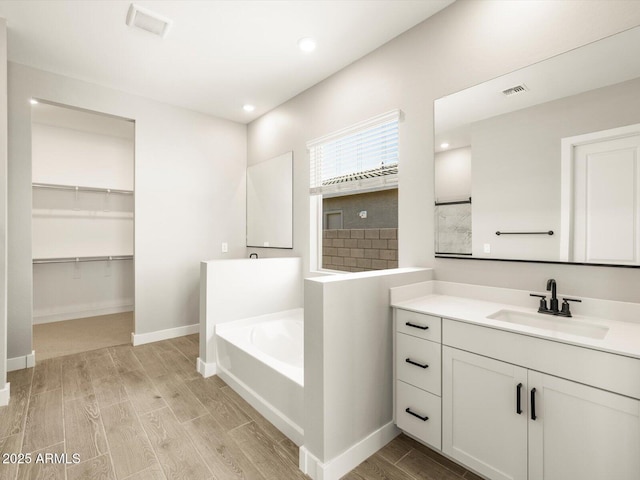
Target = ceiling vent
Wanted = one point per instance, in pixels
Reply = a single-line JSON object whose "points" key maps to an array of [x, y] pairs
{"points": [[147, 20], [515, 90]]}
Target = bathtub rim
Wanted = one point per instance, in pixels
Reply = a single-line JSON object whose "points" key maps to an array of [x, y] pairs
{"points": [[243, 322]]}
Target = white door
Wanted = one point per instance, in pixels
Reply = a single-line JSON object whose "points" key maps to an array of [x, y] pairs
{"points": [[482, 424], [605, 197], [582, 432]]}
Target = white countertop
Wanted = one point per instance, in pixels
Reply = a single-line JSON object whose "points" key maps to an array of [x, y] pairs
{"points": [[623, 338]]}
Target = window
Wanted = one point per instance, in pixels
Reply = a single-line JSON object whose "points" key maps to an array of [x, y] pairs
{"points": [[332, 219], [354, 191]]}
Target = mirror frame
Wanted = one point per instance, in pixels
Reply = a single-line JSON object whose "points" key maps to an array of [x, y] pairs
{"points": [[519, 260]]}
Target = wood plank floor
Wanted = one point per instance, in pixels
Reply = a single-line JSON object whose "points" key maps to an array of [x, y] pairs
{"points": [[82, 334], [144, 413]]}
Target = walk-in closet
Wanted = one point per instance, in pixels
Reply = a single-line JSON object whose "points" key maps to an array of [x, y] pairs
{"points": [[82, 230]]}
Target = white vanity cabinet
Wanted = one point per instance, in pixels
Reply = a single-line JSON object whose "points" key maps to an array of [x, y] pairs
{"points": [[481, 426], [417, 375], [509, 422], [522, 397]]}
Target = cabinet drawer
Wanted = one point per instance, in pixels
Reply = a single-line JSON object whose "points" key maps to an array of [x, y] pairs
{"points": [[423, 404], [411, 351], [414, 324]]}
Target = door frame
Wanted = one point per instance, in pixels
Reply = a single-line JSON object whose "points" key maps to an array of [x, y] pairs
{"points": [[567, 149]]}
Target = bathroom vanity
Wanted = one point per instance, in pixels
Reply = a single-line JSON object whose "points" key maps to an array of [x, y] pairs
{"points": [[514, 394]]}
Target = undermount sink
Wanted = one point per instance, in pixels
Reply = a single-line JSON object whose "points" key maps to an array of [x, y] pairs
{"points": [[552, 323]]}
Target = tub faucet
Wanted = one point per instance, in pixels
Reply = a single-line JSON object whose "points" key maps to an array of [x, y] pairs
{"points": [[252, 255]]}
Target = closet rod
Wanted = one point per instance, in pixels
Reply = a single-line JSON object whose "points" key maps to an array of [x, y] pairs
{"points": [[37, 261], [54, 186]]}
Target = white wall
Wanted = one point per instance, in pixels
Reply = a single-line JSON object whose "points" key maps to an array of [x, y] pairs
{"points": [[72, 157], [190, 197], [467, 43], [63, 291], [81, 233], [348, 367], [3, 208]]}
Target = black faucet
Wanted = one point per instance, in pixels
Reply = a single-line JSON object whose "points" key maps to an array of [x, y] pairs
{"points": [[553, 306]]}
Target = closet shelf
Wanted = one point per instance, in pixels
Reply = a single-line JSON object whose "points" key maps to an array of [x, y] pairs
{"points": [[77, 188], [106, 258]]}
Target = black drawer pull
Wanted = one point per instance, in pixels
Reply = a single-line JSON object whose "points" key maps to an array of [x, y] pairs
{"points": [[519, 399], [424, 419], [408, 360], [533, 404], [421, 327]]}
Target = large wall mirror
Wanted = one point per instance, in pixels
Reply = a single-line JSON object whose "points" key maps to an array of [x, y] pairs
{"points": [[542, 164], [270, 203]]}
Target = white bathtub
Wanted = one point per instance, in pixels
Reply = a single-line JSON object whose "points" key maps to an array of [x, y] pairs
{"points": [[262, 358]]}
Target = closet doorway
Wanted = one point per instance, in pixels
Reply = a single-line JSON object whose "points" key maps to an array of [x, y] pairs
{"points": [[82, 230]]}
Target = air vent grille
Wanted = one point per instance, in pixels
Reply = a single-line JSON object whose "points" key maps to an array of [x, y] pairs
{"points": [[515, 90], [147, 20]]}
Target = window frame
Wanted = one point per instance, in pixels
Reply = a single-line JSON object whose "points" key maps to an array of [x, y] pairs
{"points": [[316, 215]]}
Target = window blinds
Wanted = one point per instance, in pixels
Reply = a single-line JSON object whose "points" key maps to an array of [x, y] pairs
{"points": [[363, 157]]}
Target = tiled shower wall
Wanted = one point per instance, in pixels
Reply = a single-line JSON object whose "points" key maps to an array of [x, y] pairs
{"points": [[358, 250]]}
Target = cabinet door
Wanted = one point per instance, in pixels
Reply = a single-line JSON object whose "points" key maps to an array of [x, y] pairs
{"points": [[582, 432], [481, 426]]}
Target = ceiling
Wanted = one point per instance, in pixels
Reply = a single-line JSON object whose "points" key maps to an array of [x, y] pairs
{"points": [[605, 62], [217, 56]]}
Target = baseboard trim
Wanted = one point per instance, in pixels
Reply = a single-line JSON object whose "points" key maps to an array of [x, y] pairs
{"points": [[142, 338], [5, 394], [206, 369], [348, 460], [62, 316], [271, 413], [24, 361]]}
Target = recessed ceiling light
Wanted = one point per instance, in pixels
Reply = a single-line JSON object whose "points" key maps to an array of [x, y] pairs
{"points": [[307, 44], [33, 101], [248, 108], [444, 145]]}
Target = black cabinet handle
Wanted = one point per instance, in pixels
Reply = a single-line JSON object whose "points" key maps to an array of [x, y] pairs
{"points": [[421, 327], [533, 404], [408, 360], [519, 399], [424, 419]]}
